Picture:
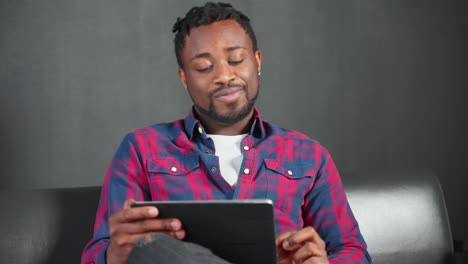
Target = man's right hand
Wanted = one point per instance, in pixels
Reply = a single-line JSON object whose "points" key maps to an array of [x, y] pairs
{"points": [[129, 225]]}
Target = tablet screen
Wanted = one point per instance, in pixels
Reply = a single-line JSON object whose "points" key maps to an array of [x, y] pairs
{"points": [[240, 231]]}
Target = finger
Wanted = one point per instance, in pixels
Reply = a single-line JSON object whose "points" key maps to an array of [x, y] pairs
{"points": [[128, 240], [180, 234], [128, 203], [307, 251], [283, 255], [316, 260], [150, 225], [280, 238], [301, 236], [135, 214]]}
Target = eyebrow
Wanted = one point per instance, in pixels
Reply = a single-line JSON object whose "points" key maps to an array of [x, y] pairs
{"points": [[207, 55], [233, 48]]}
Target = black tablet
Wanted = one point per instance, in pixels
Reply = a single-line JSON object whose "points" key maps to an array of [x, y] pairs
{"points": [[240, 231]]}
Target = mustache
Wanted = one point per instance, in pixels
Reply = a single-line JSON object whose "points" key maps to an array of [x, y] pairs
{"points": [[228, 88]]}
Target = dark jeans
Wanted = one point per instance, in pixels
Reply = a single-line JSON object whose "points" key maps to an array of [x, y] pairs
{"points": [[163, 249]]}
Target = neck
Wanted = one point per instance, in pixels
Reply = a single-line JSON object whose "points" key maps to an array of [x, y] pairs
{"points": [[216, 128]]}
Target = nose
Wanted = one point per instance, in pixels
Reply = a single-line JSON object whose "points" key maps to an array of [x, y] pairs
{"points": [[224, 73]]}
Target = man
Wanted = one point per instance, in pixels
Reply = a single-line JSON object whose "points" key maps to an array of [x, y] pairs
{"points": [[224, 150]]}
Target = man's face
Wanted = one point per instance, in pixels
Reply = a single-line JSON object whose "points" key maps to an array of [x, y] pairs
{"points": [[220, 71]]}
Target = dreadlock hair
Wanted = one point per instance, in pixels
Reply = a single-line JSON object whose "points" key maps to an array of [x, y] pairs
{"points": [[205, 15]]}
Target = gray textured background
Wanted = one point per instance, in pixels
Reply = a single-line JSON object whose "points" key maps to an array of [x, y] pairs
{"points": [[380, 83]]}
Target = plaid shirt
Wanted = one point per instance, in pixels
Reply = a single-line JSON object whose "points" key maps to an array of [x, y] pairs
{"points": [[177, 161]]}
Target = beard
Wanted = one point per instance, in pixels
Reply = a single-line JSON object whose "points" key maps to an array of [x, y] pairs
{"points": [[233, 116]]}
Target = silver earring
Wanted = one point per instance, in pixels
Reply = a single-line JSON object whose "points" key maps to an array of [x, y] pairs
{"points": [[259, 73]]}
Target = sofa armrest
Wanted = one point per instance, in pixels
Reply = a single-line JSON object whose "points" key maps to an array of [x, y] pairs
{"points": [[402, 216], [461, 251]]}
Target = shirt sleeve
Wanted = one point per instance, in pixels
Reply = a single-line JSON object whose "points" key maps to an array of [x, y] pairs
{"points": [[327, 210], [125, 178]]}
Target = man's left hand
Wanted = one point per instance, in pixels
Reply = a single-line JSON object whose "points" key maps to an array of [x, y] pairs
{"points": [[303, 246]]}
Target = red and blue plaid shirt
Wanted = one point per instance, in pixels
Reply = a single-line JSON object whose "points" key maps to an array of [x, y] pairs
{"points": [[177, 161]]}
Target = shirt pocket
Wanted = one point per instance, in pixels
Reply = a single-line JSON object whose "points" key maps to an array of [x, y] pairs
{"points": [[288, 184], [175, 177]]}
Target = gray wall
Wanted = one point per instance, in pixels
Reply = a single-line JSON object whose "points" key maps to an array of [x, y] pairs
{"points": [[380, 83]]}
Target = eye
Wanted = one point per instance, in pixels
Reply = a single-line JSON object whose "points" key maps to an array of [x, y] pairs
{"points": [[235, 62], [204, 69]]}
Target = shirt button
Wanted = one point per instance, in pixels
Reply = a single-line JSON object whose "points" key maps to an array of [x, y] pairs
{"points": [[173, 169], [208, 152], [200, 130], [214, 170], [290, 172], [246, 171], [246, 147]]}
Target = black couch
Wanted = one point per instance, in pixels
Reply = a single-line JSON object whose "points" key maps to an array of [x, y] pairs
{"points": [[402, 217]]}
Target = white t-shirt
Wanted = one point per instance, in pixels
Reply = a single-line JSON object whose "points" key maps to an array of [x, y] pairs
{"points": [[230, 156]]}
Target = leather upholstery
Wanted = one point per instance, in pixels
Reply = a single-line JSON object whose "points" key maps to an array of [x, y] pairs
{"points": [[46, 226], [402, 217]]}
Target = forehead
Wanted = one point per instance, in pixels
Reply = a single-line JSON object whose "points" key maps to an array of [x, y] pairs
{"points": [[218, 35]]}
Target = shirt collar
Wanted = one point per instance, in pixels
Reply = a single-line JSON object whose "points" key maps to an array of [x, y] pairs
{"points": [[193, 126]]}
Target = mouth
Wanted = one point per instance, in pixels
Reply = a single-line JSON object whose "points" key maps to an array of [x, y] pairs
{"points": [[228, 95]]}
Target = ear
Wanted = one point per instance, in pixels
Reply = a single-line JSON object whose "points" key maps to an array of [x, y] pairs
{"points": [[182, 78], [258, 59]]}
